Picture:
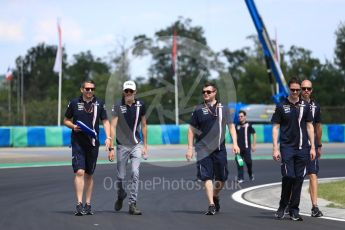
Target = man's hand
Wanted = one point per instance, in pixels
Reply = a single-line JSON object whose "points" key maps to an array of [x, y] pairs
{"points": [[144, 153], [235, 149], [276, 154], [76, 128], [107, 144], [318, 154], [312, 154], [253, 148], [111, 155], [189, 154]]}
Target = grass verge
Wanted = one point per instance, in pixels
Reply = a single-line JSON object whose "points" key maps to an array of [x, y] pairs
{"points": [[333, 192]]}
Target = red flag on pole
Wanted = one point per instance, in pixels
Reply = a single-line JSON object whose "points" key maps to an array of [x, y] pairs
{"points": [[9, 74], [58, 59], [174, 51]]}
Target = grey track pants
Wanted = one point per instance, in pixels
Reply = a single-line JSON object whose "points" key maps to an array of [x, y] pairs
{"points": [[123, 154]]}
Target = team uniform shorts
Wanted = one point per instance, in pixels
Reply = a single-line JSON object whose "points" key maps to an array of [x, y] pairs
{"points": [[213, 166], [84, 157]]}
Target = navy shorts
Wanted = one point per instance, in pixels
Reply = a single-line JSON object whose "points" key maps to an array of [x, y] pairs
{"points": [[84, 157], [313, 165], [214, 166], [294, 162]]}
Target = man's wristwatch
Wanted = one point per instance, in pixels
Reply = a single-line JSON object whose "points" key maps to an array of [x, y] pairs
{"points": [[111, 149], [319, 146]]}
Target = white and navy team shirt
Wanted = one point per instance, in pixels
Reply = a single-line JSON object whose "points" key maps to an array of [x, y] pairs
{"points": [[128, 132], [243, 135], [209, 123], [316, 114], [293, 120], [89, 113]]}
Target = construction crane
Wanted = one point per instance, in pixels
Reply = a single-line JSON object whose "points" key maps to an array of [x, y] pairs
{"points": [[273, 67]]}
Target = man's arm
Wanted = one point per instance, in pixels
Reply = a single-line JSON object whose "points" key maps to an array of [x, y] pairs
{"points": [[144, 131], [276, 152], [233, 134], [69, 123], [318, 130], [108, 140], [189, 154], [254, 142], [113, 124], [310, 130]]}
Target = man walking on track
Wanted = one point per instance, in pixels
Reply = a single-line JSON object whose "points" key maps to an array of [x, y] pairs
{"points": [[82, 116], [313, 165], [208, 126], [244, 131], [127, 115], [293, 119]]}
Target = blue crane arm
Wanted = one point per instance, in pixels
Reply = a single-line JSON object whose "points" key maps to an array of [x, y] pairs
{"points": [[273, 67]]}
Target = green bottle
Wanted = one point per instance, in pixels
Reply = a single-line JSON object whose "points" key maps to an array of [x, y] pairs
{"points": [[239, 160]]}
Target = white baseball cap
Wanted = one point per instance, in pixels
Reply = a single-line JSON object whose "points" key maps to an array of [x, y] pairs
{"points": [[129, 85]]}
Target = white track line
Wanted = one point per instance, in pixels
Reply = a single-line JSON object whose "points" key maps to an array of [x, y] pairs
{"points": [[238, 197]]}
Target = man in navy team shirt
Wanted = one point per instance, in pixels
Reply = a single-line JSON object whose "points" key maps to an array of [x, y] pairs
{"points": [[313, 165], [208, 126], [128, 114], [89, 110], [244, 130], [294, 120]]}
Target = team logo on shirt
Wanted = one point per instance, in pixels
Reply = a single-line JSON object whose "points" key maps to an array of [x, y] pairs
{"points": [[286, 108], [80, 106], [204, 111], [123, 109]]}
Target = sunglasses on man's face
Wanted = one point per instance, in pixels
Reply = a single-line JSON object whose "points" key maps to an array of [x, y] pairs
{"points": [[89, 89], [207, 91], [295, 90], [307, 88], [128, 91]]}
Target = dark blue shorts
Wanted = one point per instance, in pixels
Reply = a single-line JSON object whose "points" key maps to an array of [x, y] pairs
{"points": [[214, 166], [294, 162], [313, 165], [84, 157]]}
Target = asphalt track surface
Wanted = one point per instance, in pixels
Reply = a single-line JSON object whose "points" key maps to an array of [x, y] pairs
{"points": [[43, 198]]}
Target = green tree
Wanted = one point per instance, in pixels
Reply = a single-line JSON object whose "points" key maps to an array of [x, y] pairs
{"points": [[195, 62], [340, 47], [302, 64], [85, 66]]}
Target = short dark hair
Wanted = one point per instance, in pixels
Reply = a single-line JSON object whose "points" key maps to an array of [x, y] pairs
{"points": [[242, 111], [293, 80], [207, 84], [82, 85]]}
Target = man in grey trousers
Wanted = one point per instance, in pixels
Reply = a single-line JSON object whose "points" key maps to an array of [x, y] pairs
{"points": [[127, 115]]}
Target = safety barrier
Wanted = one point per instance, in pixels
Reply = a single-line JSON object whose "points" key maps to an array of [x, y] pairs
{"points": [[21, 136]]}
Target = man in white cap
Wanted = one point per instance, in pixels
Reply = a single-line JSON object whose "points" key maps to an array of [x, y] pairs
{"points": [[127, 115]]}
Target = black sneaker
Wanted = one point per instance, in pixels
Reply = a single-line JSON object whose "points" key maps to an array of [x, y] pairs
{"points": [[216, 203], [252, 178], [211, 210], [133, 209], [79, 209], [280, 214], [295, 217], [315, 212], [119, 202], [87, 209]]}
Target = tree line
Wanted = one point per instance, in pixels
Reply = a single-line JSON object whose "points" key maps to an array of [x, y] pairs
{"points": [[196, 64]]}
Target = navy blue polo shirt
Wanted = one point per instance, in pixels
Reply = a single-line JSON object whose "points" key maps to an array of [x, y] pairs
{"points": [[243, 135], [293, 120], [129, 118], [210, 124], [78, 109], [316, 114]]}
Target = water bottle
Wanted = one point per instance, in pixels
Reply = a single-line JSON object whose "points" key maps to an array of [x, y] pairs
{"points": [[239, 160]]}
